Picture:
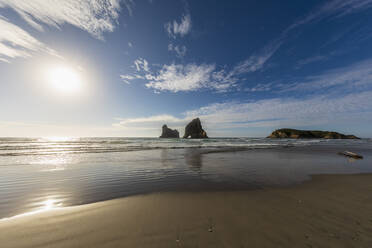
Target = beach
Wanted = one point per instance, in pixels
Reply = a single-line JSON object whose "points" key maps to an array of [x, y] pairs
{"points": [[40, 173], [144, 192], [328, 211]]}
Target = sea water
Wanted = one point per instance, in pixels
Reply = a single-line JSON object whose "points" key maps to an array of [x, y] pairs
{"points": [[42, 173]]}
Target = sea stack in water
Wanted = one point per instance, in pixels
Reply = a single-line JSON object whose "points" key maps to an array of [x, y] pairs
{"points": [[169, 133], [194, 130], [287, 133]]}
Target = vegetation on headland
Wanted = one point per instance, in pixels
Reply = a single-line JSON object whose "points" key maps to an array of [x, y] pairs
{"points": [[288, 133]]}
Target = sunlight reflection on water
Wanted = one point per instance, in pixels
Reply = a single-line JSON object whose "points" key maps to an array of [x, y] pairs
{"points": [[52, 160], [43, 206], [56, 139], [87, 170]]}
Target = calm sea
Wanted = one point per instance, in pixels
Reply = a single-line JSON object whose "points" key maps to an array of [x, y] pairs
{"points": [[38, 174]]}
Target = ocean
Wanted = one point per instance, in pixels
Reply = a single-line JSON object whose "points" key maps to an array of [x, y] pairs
{"points": [[42, 173]]}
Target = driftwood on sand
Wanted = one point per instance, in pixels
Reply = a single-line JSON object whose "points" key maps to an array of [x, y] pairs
{"points": [[351, 155]]}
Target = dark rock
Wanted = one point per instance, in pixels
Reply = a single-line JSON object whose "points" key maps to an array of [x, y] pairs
{"points": [[169, 133], [195, 130], [287, 133]]}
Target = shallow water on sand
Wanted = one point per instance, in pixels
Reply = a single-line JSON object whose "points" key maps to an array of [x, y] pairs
{"points": [[38, 174]]}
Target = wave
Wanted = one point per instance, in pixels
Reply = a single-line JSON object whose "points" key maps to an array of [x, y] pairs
{"points": [[42, 146]]}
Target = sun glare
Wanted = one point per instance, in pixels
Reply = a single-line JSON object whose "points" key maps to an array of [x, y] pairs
{"points": [[65, 79]]}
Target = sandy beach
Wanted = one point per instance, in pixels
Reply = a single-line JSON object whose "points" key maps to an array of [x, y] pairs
{"points": [[328, 211]]}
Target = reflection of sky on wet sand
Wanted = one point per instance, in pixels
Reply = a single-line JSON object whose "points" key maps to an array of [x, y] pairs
{"points": [[39, 183], [50, 202], [193, 157]]}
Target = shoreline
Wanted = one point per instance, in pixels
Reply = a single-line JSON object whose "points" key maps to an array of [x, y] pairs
{"points": [[335, 210]]}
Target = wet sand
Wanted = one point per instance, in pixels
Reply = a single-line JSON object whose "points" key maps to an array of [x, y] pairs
{"points": [[328, 211]]}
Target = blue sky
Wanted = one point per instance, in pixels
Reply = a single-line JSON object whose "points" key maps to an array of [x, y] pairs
{"points": [[244, 67]]}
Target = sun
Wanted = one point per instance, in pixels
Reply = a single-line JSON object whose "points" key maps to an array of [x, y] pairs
{"points": [[64, 79]]}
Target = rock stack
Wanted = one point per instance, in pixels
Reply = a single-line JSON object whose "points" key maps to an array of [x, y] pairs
{"points": [[195, 130], [169, 133]]}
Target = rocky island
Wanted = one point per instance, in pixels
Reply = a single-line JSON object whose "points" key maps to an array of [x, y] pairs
{"points": [[287, 133], [195, 130], [169, 133]]}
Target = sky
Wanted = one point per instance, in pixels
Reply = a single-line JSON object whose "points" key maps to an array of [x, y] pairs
{"points": [[126, 67]]}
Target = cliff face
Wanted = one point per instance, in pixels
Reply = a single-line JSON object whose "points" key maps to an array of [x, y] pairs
{"points": [[195, 130], [286, 133], [169, 133]]}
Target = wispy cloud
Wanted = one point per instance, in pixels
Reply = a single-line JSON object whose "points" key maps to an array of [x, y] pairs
{"points": [[179, 77], [357, 76], [188, 77], [178, 49], [129, 4], [151, 122], [312, 59], [333, 9], [191, 77], [93, 16], [290, 112], [258, 60], [141, 64], [174, 28], [127, 78], [16, 42], [260, 87], [269, 113]]}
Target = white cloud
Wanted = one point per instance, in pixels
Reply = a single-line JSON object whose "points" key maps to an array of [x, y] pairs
{"points": [[356, 76], [260, 87], [341, 8], [130, 44], [149, 126], [333, 9], [127, 78], [288, 111], [141, 64], [4, 60], [93, 16], [16, 42], [129, 4], [312, 59], [178, 77], [174, 28], [352, 78], [191, 77], [222, 118], [151, 122], [179, 50], [257, 61]]}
